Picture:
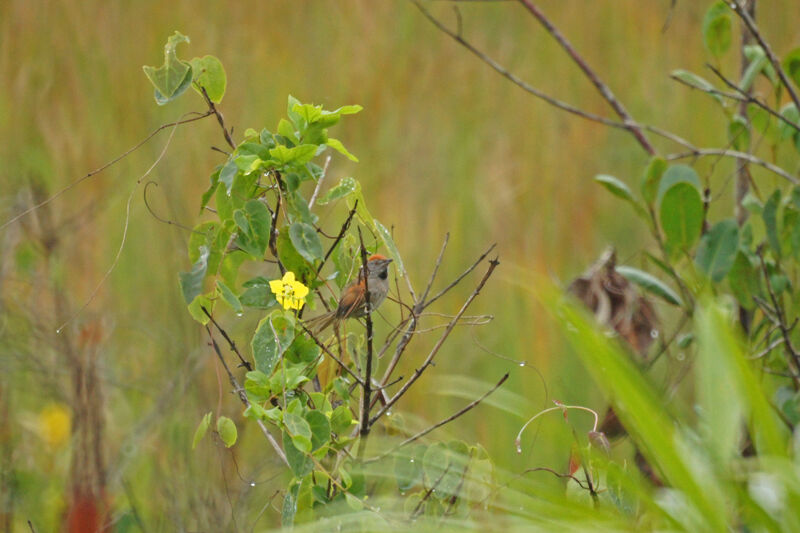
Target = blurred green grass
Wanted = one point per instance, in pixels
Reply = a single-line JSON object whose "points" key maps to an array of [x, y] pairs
{"points": [[445, 144]]}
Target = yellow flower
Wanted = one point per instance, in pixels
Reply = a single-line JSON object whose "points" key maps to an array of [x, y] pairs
{"points": [[54, 425], [291, 294]]}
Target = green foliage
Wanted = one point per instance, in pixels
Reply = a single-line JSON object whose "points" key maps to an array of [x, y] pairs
{"points": [[717, 249], [729, 286], [717, 28], [202, 428], [227, 431], [173, 77]]}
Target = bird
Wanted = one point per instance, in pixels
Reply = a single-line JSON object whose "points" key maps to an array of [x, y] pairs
{"points": [[352, 302]]}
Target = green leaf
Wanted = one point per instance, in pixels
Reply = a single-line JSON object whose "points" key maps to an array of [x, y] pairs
{"points": [[744, 280], [391, 248], [677, 174], [306, 241], [303, 350], [652, 178], [299, 430], [212, 188], [717, 28], [257, 386], [717, 250], [192, 282], [790, 113], [299, 155], [254, 225], [727, 363], [337, 145], [697, 82], [229, 296], [272, 338], [300, 463], [739, 133], [681, 216], [757, 61], [289, 507], [650, 283], [344, 188], [754, 53], [641, 410], [196, 308], [620, 190], [286, 129], [257, 293], [174, 76], [791, 64], [227, 431], [209, 73], [291, 259], [770, 217], [201, 430], [408, 466], [320, 429], [341, 420]]}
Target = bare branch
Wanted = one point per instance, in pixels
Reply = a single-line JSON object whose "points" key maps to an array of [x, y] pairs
{"points": [[749, 98], [242, 361], [602, 88], [319, 183], [367, 380], [237, 388], [330, 354], [418, 372], [436, 267], [460, 277], [740, 10], [213, 109], [110, 163], [569, 108], [742, 156], [439, 424]]}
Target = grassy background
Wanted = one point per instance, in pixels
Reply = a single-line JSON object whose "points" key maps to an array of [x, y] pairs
{"points": [[445, 144]]}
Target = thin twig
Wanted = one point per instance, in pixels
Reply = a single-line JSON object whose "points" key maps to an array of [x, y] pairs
{"points": [[367, 380], [777, 342], [330, 354], [237, 388], [102, 168], [514, 79], [557, 474], [419, 507], [220, 119], [699, 152], [273, 229], [339, 237], [319, 183], [460, 277], [749, 98], [781, 320], [418, 372], [436, 267], [740, 10], [439, 424], [242, 361], [602, 88], [125, 227]]}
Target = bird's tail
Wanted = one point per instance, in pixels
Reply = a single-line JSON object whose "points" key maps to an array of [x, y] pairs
{"points": [[319, 323]]}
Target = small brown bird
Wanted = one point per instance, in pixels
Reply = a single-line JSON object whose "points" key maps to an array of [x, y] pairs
{"points": [[352, 302]]}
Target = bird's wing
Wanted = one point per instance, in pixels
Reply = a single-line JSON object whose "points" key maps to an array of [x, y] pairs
{"points": [[351, 300]]}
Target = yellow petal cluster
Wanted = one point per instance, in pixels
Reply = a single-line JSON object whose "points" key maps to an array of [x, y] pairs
{"points": [[290, 293]]}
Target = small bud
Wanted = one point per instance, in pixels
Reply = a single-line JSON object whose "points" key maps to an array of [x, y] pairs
{"points": [[599, 440]]}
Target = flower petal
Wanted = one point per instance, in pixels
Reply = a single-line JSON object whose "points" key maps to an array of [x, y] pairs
{"points": [[276, 286]]}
